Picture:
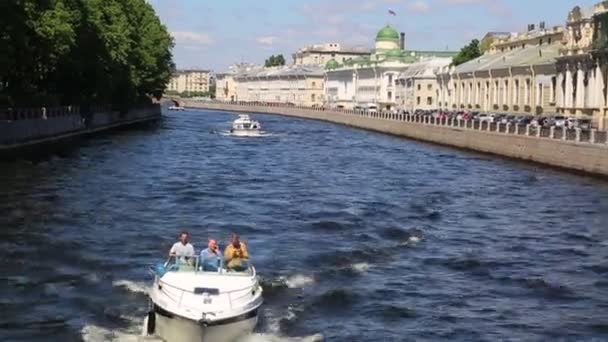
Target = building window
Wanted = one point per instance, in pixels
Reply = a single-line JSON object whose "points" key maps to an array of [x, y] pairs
{"points": [[553, 88], [540, 42], [313, 97], [549, 42], [429, 87], [390, 79], [314, 84], [516, 93], [390, 95], [429, 100], [419, 86], [418, 100]]}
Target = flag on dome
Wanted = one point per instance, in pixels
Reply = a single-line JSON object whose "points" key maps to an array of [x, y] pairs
{"points": [[391, 12]]}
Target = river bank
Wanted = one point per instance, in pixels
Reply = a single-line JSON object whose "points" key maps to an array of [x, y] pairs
{"points": [[33, 130], [568, 150]]}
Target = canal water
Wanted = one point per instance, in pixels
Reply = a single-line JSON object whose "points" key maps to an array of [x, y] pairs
{"points": [[357, 236]]}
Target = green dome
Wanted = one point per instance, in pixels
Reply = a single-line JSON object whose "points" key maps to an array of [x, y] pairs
{"points": [[387, 33], [332, 64]]}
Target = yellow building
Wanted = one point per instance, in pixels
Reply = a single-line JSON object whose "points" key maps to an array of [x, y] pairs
{"points": [[320, 54], [189, 81], [417, 87], [542, 71], [226, 85], [301, 85], [516, 75]]}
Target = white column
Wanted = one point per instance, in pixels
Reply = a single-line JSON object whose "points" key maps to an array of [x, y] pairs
{"points": [[559, 91], [599, 87], [580, 87], [568, 89], [592, 102]]}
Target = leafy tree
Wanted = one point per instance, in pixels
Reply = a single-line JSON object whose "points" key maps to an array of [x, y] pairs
{"points": [[467, 53], [82, 52], [273, 60]]}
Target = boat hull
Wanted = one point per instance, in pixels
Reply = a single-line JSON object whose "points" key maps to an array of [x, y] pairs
{"points": [[172, 328], [245, 133]]}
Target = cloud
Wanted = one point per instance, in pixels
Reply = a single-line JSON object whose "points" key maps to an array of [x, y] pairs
{"points": [[188, 38], [266, 40], [419, 6]]}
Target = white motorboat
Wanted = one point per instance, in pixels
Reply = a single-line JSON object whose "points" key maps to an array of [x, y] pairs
{"points": [[176, 108], [189, 303], [244, 126]]}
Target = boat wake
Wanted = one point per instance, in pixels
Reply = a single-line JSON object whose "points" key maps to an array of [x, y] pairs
{"points": [[133, 333], [260, 134], [298, 281], [131, 286]]}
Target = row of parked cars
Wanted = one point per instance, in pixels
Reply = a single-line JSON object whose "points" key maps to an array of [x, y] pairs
{"points": [[555, 120]]}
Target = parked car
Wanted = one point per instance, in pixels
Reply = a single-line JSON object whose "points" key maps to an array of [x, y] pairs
{"points": [[572, 122], [558, 121], [483, 117], [524, 120]]}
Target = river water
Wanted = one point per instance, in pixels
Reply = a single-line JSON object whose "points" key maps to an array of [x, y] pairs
{"points": [[357, 236]]}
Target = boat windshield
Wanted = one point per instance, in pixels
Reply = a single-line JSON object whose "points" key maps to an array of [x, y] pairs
{"points": [[196, 264]]}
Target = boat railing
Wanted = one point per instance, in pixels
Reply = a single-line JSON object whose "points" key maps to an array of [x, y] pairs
{"points": [[229, 294], [242, 267]]}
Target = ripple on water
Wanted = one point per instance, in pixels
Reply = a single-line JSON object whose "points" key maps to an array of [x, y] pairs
{"points": [[355, 235]]}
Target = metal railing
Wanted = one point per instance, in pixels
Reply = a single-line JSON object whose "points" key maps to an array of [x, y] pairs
{"points": [[577, 135]]}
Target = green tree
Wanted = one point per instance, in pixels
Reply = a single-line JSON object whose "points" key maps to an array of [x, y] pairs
{"points": [[273, 60], [82, 52], [467, 53]]}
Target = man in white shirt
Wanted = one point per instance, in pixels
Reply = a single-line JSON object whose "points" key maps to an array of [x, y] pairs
{"points": [[182, 248]]}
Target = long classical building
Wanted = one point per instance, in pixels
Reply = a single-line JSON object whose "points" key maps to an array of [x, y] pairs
{"points": [[194, 81], [300, 85], [320, 54], [382, 79], [541, 71]]}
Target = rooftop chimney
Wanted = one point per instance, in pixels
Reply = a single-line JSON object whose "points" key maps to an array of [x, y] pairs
{"points": [[531, 27], [541, 25], [402, 41]]}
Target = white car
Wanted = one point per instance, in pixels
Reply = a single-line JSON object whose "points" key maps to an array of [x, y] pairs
{"points": [[489, 118], [559, 121]]}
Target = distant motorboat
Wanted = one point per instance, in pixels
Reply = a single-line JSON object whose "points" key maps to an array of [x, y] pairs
{"points": [[176, 108], [244, 127]]}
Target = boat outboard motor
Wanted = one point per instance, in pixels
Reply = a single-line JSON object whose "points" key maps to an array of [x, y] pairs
{"points": [[151, 322]]}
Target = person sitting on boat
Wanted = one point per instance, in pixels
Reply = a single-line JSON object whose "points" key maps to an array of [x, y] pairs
{"points": [[211, 257], [235, 253], [183, 250]]}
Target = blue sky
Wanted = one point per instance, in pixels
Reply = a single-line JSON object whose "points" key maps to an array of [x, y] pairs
{"points": [[214, 34]]}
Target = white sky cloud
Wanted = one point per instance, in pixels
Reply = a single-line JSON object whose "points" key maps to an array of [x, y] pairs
{"points": [[192, 38], [266, 40]]}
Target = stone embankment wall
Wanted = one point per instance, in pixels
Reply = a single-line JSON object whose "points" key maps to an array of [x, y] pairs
{"points": [[27, 127], [576, 150]]}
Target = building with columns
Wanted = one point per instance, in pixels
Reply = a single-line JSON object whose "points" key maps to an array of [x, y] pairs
{"points": [[297, 84], [515, 75], [582, 65], [375, 79], [542, 71]]}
